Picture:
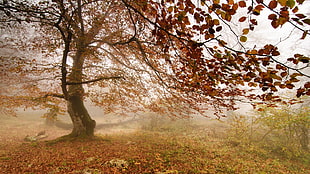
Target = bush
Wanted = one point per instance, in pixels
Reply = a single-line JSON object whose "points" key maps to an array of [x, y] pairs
{"points": [[283, 130], [287, 128]]}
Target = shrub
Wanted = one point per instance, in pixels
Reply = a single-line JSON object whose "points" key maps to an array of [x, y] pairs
{"points": [[283, 130]]}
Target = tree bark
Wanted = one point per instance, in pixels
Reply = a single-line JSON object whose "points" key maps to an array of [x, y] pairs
{"points": [[83, 125]]}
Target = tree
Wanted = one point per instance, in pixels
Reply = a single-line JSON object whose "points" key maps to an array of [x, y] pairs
{"points": [[138, 51]]}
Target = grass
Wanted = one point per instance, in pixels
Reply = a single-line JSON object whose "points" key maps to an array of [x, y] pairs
{"points": [[181, 147]]}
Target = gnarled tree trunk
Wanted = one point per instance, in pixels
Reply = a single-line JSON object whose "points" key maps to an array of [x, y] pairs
{"points": [[83, 125]]}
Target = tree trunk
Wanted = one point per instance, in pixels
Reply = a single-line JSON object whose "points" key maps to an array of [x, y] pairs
{"points": [[83, 125]]}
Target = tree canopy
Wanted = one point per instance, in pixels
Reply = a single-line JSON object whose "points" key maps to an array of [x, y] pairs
{"points": [[144, 54]]}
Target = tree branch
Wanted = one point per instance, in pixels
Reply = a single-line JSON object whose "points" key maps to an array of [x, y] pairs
{"points": [[94, 80], [153, 23], [271, 57], [287, 21]]}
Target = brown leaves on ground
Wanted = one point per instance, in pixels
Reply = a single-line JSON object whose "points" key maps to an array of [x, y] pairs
{"points": [[143, 152]]}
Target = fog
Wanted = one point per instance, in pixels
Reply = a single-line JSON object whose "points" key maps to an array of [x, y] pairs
{"points": [[142, 141], [30, 122]]}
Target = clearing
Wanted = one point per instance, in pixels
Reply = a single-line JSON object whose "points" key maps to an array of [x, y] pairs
{"points": [[155, 146]]}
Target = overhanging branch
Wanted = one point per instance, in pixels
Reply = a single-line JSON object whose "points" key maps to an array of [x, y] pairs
{"points": [[94, 80], [271, 57]]}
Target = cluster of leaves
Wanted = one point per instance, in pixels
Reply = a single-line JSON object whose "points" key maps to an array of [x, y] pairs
{"points": [[171, 50], [202, 68]]}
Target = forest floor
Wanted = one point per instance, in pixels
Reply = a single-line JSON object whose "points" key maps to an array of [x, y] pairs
{"points": [[153, 148]]}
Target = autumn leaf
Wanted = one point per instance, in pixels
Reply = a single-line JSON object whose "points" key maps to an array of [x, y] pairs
{"points": [[284, 13], [275, 24], [274, 76], [300, 92], [282, 2], [275, 53], [304, 59], [254, 21], [273, 4], [272, 16], [295, 10], [300, 1], [300, 16], [295, 75], [242, 19], [290, 86], [219, 28], [216, 1], [259, 7], [290, 3], [242, 4], [307, 21], [243, 38], [170, 9], [245, 31], [216, 22]]}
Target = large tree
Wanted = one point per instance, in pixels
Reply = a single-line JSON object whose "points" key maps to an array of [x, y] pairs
{"points": [[143, 54]]}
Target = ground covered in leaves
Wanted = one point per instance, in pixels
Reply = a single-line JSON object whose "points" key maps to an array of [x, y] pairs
{"points": [[143, 152], [158, 146]]}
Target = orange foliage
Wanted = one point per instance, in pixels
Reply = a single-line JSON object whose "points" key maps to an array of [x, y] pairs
{"points": [[132, 53]]}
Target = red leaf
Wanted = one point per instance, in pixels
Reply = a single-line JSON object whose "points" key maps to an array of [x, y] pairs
{"points": [[290, 86], [259, 7], [304, 34], [225, 7], [284, 13], [219, 28], [272, 16], [275, 53], [300, 16], [295, 10], [242, 19], [282, 86], [254, 21], [275, 24], [278, 66], [300, 92], [273, 4], [235, 7], [242, 4]]}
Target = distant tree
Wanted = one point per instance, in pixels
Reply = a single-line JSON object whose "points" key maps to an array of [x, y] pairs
{"points": [[130, 53]]}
